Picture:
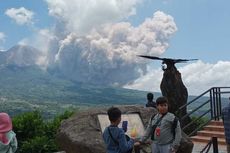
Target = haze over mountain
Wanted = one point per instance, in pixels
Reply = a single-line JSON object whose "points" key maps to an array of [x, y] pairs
{"points": [[21, 56], [26, 86]]}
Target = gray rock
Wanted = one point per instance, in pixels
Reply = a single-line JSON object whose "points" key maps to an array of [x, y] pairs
{"points": [[81, 133]]}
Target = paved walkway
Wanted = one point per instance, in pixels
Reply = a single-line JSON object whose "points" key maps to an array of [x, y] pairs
{"points": [[199, 146]]}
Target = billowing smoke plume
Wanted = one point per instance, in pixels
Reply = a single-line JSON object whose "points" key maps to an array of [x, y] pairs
{"points": [[89, 43], [107, 54], [82, 15]]}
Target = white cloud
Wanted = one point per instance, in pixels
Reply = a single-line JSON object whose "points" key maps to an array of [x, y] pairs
{"points": [[2, 37], [148, 82], [200, 76], [82, 15], [21, 16], [197, 77], [2, 40]]}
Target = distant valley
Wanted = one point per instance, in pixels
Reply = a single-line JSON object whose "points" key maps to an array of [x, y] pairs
{"points": [[30, 88]]}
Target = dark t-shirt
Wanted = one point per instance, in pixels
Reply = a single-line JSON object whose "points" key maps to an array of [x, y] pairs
{"points": [[151, 104]]}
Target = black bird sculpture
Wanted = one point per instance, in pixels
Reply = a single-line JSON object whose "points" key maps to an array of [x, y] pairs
{"points": [[170, 62]]}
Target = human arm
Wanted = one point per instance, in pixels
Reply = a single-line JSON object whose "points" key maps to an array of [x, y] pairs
{"points": [[124, 144], [147, 132], [14, 144], [177, 139]]}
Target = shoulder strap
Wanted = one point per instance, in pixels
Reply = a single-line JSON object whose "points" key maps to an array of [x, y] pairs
{"points": [[155, 125], [174, 125], [159, 120], [115, 141], [152, 117]]}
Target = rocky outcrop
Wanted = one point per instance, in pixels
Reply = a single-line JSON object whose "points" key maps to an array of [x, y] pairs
{"points": [[81, 133]]}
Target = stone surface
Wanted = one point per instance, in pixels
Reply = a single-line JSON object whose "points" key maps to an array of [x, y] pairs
{"points": [[82, 134]]}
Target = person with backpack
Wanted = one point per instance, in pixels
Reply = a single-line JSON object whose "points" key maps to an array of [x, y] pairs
{"points": [[8, 141], [150, 102], [114, 137], [164, 129]]}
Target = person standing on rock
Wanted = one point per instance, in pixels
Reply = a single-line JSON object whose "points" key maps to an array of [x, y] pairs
{"points": [[114, 137], [150, 102], [226, 121], [164, 129]]}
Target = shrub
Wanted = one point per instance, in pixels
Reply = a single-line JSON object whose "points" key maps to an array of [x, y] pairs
{"points": [[34, 134]]}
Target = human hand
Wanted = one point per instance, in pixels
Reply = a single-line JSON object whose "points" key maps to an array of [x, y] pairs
{"points": [[148, 142], [172, 150], [137, 143]]}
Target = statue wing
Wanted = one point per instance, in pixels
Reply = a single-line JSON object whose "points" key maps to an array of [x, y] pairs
{"points": [[151, 57], [183, 60], [167, 60]]}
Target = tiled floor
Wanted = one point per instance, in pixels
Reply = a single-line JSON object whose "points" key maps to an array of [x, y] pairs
{"points": [[199, 146]]}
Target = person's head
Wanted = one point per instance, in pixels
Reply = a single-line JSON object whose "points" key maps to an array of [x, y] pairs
{"points": [[5, 126], [162, 105], [150, 96], [5, 123], [114, 114]]}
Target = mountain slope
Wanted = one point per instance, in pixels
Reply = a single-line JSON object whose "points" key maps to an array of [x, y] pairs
{"points": [[28, 88]]}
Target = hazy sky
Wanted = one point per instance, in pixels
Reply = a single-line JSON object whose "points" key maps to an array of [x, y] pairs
{"points": [[167, 28]]}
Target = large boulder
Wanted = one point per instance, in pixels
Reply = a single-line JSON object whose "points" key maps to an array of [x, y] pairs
{"points": [[82, 134]]}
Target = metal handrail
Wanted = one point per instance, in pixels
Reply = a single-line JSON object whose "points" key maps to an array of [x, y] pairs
{"points": [[200, 127], [213, 141], [182, 118], [215, 106], [193, 121], [185, 105]]}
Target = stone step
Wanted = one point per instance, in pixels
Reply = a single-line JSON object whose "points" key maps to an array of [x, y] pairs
{"points": [[203, 139], [214, 128], [217, 123], [211, 134]]}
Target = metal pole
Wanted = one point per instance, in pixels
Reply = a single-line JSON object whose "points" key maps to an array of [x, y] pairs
{"points": [[220, 107], [214, 103], [215, 144], [211, 104], [218, 103]]}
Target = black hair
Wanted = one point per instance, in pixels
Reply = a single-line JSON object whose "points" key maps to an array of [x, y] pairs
{"points": [[150, 96], [114, 113], [162, 100]]}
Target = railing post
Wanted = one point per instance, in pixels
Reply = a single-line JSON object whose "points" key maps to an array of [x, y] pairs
{"points": [[219, 103], [211, 104], [214, 103], [215, 144]]}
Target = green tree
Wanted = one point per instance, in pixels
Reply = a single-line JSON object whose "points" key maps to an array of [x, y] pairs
{"points": [[34, 134]]}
